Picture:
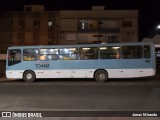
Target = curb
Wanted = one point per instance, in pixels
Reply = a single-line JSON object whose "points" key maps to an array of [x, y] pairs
{"points": [[3, 79]]}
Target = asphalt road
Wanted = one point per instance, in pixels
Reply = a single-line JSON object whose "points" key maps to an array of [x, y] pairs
{"points": [[82, 94]]}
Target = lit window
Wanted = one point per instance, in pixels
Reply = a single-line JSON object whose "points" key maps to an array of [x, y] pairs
{"points": [[82, 25], [50, 23], [48, 54], [68, 53]]}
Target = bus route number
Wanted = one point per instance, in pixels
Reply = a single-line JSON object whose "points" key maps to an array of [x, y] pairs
{"points": [[147, 61], [42, 65]]}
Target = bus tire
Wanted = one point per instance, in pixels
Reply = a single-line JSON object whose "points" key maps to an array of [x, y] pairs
{"points": [[101, 75], [29, 76]]}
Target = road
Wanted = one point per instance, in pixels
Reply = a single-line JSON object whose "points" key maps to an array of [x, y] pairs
{"points": [[65, 94], [61, 96]]}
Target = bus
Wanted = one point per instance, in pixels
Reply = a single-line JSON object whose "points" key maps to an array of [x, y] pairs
{"points": [[98, 61]]}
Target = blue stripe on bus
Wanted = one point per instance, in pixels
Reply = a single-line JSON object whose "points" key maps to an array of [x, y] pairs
{"points": [[83, 64]]}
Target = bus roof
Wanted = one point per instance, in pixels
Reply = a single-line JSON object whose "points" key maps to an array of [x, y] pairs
{"points": [[82, 45]]}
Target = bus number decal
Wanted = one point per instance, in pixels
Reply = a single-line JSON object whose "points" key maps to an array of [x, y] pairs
{"points": [[147, 61], [42, 65]]}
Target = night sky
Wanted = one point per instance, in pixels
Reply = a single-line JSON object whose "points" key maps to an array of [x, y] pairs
{"points": [[149, 10]]}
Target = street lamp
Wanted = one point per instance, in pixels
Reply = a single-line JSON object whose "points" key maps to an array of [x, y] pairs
{"points": [[155, 31], [158, 27]]}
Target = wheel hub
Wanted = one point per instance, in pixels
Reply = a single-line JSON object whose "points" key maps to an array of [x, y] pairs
{"points": [[29, 76]]}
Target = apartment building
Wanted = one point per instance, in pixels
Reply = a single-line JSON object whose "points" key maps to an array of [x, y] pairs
{"points": [[35, 26], [98, 25]]}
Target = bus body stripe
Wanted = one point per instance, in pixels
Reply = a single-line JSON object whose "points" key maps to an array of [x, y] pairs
{"points": [[83, 73]]}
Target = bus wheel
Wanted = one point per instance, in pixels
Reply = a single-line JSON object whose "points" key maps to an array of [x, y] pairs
{"points": [[101, 75], [29, 76]]}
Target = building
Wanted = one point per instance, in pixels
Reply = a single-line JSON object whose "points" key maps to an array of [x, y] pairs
{"points": [[99, 25], [35, 26]]}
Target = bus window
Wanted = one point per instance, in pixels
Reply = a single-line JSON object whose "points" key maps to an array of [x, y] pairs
{"points": [[68, 53], [88, 53], [14, 57], [158, 58], [48, 54], [110, 52], [132, 52], [147, 53], [30, 54]]}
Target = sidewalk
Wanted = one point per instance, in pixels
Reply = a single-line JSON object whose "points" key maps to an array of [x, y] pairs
{"points": [[3, 79]]}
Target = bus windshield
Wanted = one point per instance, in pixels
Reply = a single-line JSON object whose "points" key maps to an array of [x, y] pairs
{"points": [[14, 57]]}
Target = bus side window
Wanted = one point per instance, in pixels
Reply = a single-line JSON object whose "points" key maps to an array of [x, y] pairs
{"points": [[110, 52], [88, 53], [48, 54], [30, 54], [68, 54], [147, 53], [132, 52]]}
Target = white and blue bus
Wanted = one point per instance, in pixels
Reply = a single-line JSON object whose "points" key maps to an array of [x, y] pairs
{"points": [[99, 61]]}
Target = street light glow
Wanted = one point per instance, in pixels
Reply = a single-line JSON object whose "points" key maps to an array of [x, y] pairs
{"points": [[158, 26]]}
